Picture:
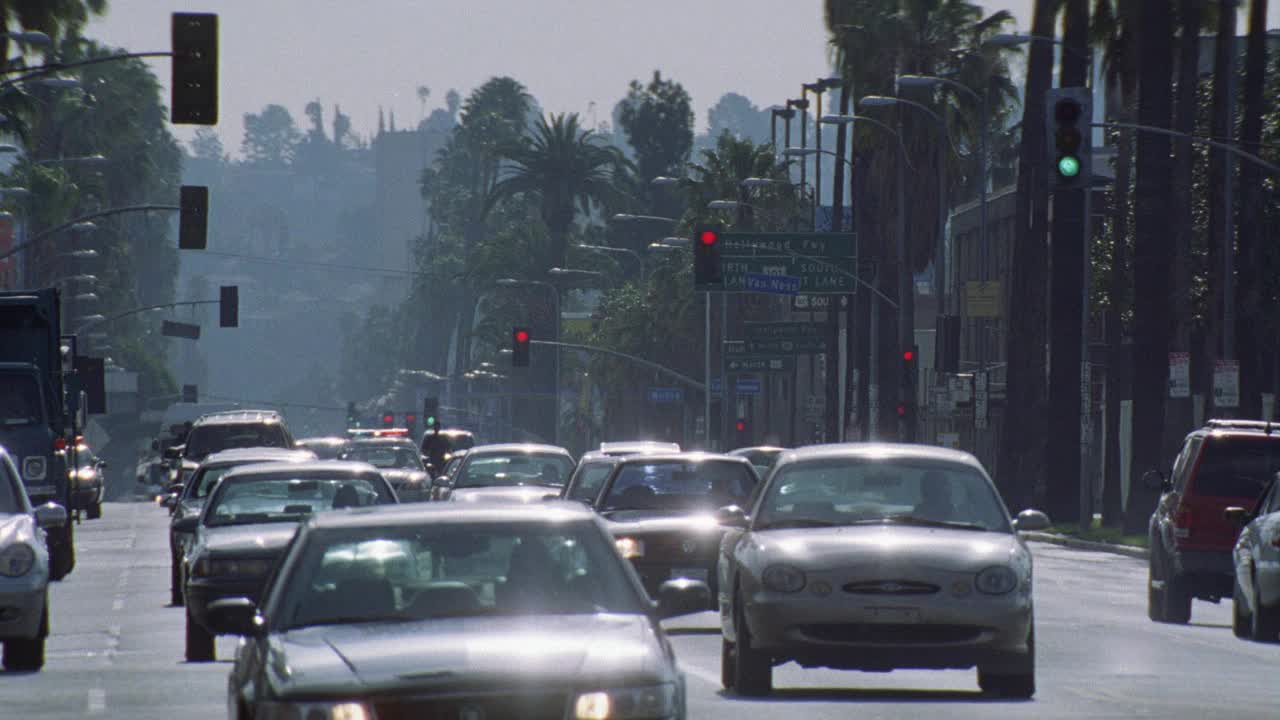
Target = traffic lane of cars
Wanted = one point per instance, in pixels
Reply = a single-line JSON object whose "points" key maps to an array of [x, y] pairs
{"points": [[1097, 655]]}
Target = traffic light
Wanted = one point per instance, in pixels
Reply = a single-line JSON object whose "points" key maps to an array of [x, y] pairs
{"points": [[190, 394], [411, 422], [520, 338], [194, 86], [353, 419], [740, 431], [229, 306], [388, 420], [909, 397], [430, 412], [1068, 125], [193, 217], [707, 273]]}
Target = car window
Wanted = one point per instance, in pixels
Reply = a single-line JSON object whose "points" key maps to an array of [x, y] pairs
{"points": [[590, 478], [19, 400], [678, 485], [385, 457], [208, 477], [10, 501], [1236, 467], [514, 469], [1179, 472], [858, 490], [453, 570], [205, 440], [274, 498]]}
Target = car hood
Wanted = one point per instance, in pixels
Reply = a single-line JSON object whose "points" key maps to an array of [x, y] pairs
{"points": [[505, 494], [643, 522], [247, 539], [451, 654], [16, 528], [881, 547]]}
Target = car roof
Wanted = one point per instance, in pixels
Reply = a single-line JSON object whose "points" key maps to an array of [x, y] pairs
{"points": [[519, 448], [550, 512], [597, 456], [396, 441], [455, 432], [743, 451], [631, 446], [1222, 427], [258, 454], [320, 468], [877, 451], [238, 417], [327, 440], [686, 456]]}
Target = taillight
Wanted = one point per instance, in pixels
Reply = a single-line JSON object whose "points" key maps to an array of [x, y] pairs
{"points": [[59, 444]]}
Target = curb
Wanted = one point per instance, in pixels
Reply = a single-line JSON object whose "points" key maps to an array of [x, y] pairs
{"points": [[1078, 544]]}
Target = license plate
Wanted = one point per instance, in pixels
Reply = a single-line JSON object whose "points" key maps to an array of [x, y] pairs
{"points": [[700, 574], [893, 614], [40, 490]]}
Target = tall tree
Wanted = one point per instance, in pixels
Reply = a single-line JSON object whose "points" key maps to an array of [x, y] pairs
{"points": [[53, 17], [739, 116], [270, 137], [1249, 342], [1022, 442], [1151, 313], [1221, 126], [658, 121]]}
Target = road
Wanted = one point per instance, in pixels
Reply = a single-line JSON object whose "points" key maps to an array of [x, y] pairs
{"points": [[116, 651]]}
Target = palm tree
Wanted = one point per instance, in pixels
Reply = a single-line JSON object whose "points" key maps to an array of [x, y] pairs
{"points": [[567, 167], [50, 16], [719, 173], [1152, 266], [1248, 302]]}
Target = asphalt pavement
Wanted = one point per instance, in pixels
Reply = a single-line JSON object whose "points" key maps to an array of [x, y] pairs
{"points": [[116, 651]]}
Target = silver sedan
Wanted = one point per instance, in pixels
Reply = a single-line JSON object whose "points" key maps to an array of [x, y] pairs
{"points": [[1256, 598], [875, 557], [24, 570]]}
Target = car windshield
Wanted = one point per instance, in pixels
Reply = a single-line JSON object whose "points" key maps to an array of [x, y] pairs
{"points": [[19, 400], [277, 498], [678, 485], [10, 503], [518, 468], [1237, 467], [207, 439], [590, 478], [385, 457], [851, 491], [451, 570]]}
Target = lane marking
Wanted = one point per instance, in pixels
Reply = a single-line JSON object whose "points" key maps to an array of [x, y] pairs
{"points": [[710, 678], [118, 605], [96, 701]]}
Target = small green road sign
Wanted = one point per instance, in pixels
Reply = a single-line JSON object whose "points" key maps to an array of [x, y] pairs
{"points": [[785, 330], [802, 346], [760, 363]]}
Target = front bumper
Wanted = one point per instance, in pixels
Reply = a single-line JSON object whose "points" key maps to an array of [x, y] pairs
{"points": [[849, 631], [21, 605], [199, 593]]}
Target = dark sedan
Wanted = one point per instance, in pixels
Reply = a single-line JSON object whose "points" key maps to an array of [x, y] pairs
{"points": [[399, 462], [249, 519], [455, 611], [196, 490], [661, 509], [510, 473]]}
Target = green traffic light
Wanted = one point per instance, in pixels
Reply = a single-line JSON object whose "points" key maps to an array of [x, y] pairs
{"points": [[1069, 166]]}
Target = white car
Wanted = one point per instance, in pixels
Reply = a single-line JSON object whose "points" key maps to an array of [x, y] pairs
{"points": [[24, 570]]}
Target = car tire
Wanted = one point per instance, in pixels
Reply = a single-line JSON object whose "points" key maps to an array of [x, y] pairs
{"points": [[1265, 621], [726, 664], [175, 583], [1018, 685], [95, 511], [1177, 601], [1172, 603], [1241, 619], [62, 552], [752, 669], [27, 654], [200, 642]]}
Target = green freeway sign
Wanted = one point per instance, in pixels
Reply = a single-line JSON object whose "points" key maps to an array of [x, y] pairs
{"points": [[823, 263], [759, 363], [785, 330], [822, 245], [755, 348]]}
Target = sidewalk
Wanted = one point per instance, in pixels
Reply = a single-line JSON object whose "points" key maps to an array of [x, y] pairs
{"points": [[1073, 542]]}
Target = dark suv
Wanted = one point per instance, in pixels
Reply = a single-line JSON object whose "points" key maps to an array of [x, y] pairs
{"points": [[1226, 463]]}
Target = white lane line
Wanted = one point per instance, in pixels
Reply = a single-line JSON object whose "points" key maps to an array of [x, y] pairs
{"points": [[118, 605], [711, 678], [97, 701]]}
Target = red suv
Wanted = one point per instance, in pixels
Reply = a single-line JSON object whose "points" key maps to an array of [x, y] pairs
{"points": [[1226, 463]]}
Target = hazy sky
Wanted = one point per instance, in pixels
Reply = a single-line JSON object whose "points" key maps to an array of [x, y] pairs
{"points": [[569, 53]]}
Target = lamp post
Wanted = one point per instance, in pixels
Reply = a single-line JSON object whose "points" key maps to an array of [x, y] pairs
{"points": [[555, 295], [606, 249]]}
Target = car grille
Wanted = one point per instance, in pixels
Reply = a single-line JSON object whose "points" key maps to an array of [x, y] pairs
{"points": [[678, 546], [891, 587], [531, 706], [892, 634]]}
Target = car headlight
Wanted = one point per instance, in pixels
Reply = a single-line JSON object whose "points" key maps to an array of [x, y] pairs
{"points": [[629, 548], [314, 711], [16, 560], [650, 701], [230, 567], [996, 580], [783, 578]]}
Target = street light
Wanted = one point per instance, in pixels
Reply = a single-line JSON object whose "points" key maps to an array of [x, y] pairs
{"points": [[758, 182], [724, 205], [83, 227], [628, 217], [28, 37], [606, 249], [664, 180], [573, 272], [94, 159], [676, 241], [57, 81]]}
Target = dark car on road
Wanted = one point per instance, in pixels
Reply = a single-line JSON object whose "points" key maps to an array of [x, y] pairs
{"points": [[1256, 597], [399, 461], [249, 519], [1227, 463], [85, 470], [510, 473], [468, 612], [228, 430], [661, 509], [589, 476], [196, 490]]}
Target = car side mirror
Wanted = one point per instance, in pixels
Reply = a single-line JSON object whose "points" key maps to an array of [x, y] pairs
{"points": [[235, 616], [102, 464], [682, 596], [1031, 520], [51, 515], [169, 501], [441, 482], [1155, 480], [1237, 516], [176, 487], [155, 445], [732, 516], [172, 452], [187, 524]]}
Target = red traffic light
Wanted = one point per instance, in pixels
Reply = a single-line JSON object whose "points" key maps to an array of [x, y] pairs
{"points": [[388, 419], [708, 237], [522, 336], [902, 410], [411, 418], [741, 426], [908, 355]]}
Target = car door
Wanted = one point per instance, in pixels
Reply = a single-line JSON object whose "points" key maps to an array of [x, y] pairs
{"points": [[1162, 518], [1253, 536]]}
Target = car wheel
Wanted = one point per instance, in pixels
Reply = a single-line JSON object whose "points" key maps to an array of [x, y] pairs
{"points": [[1018, 685], [1241, 620], [1265, 622], [1177, 601], [752, 669], [95, 511], [726, 664], [27, 654], [200, 642], [175, 583]]}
